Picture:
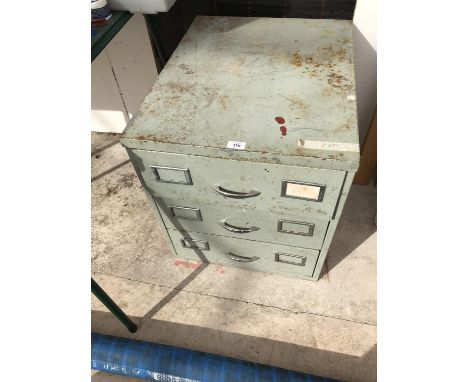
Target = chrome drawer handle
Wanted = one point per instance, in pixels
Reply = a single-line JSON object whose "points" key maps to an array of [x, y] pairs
{"points": [[235, 229], [241, 259], [235, 194]]}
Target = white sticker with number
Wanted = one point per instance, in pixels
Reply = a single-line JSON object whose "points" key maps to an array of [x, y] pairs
{"points": [[236, 145]]}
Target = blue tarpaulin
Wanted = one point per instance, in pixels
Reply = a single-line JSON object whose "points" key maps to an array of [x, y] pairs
{"points": [[156, 362]]}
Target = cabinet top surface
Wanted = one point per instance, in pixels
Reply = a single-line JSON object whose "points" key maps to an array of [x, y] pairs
{"points": [[281, 86]]}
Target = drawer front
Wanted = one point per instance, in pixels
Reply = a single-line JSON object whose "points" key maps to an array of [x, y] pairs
{"points": [[293, 190], [247, 254], [242, 223]]}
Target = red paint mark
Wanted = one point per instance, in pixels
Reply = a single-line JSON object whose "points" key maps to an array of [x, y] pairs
{"points": [[186, 264], [283, 130], [220, 269], [280, 120]]}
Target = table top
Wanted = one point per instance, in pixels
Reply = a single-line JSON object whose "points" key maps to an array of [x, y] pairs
{"points": [[283, 88], [105, 33]]}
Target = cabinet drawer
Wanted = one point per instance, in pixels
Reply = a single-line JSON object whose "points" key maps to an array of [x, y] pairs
{"points": [[247, 254], [242, 223], [299, 191]]}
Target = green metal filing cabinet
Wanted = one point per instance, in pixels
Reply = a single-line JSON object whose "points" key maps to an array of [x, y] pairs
{"points": [[247, 143]]}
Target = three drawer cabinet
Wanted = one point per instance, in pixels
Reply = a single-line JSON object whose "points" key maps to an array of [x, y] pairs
{"points": [[247, 144]]}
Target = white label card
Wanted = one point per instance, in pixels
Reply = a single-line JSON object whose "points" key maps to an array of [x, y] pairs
{"points": [[236, 145], [328, 146], [303, 191]]}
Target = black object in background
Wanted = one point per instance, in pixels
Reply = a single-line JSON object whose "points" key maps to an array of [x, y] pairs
{"points": [[166, 29]]}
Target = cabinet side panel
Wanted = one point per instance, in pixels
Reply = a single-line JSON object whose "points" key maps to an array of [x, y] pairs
{"points": [[133, 158], [332, 226]]}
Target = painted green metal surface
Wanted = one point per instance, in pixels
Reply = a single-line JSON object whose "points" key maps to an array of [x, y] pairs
{"points": [[247, 254], [243, 79], [243, 223], [153, 205], [240, 176], [105, 33], [332, 226], [244, 110]]}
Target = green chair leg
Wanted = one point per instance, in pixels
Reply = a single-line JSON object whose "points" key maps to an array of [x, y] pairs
{"points": [[112, 306]]}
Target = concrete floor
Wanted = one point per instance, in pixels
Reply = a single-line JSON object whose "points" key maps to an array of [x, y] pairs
{"points": [[325, 328]]}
